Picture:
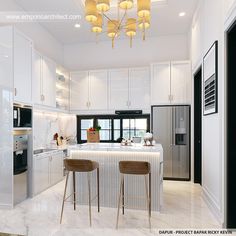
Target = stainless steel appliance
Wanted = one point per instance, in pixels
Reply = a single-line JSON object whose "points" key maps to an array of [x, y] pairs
{"points": [[171, 128], [22, 116], [20, 168]]}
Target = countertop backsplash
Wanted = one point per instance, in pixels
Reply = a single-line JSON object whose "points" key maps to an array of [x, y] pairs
{"points": [[46, 124]]}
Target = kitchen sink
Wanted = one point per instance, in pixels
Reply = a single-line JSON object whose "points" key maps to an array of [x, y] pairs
{"points": [[43, 150]]}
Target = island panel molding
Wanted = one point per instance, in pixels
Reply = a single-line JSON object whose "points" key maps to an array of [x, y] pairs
{"points": [[108, 156]]}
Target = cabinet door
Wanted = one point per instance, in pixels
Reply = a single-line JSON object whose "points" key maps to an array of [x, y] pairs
{"points": [[98, 90], [181, 82], [37, 78], [160, 83], [118, 89], [79, 90], [49, 82], [139, 88], [56, 168], [41, 173], [22, 68]]}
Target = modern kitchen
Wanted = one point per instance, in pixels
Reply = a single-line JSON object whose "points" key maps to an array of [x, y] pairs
{"points": [[116, 117]]}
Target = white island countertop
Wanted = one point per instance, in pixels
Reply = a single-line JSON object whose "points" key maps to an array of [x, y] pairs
{"points": [[108, 156]]}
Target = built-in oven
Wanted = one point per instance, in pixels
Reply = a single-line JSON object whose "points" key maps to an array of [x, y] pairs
{"points": [[20, 156], [22, 116]]}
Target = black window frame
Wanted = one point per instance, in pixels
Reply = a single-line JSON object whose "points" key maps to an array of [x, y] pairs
{"points": [[112, 117]]}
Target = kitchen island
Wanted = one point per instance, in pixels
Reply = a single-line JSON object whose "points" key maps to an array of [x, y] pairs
{"points": [[108, 156]]}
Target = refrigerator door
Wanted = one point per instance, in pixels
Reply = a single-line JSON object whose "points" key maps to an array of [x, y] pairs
{"points": [[180, 142], [161, 129]]}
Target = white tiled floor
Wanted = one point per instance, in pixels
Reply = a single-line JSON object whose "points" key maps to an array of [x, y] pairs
{"points": [[183, 208]]}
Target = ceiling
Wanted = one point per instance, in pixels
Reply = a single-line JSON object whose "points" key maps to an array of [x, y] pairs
{"points": [[165, 18]]}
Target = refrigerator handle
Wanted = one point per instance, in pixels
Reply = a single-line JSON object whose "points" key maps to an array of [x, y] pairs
{"points": [[173, 126]]}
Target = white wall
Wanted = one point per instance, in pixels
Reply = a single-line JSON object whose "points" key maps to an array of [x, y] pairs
{"points": [[95, 56], [43, 40], [208, 27]]}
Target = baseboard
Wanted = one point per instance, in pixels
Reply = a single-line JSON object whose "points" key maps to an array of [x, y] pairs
{"points": [[213, 206]]}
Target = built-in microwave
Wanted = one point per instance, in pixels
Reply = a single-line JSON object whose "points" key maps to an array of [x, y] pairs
{"points": [[22, 116]]}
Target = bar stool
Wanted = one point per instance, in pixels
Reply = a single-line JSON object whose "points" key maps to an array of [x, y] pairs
{"points": [[80, 165], [135, 168]]}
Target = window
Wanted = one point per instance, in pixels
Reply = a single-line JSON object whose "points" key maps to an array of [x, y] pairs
{"points": [[113, 127]]}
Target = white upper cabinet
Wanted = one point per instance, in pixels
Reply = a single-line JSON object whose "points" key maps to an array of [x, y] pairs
{"points": [[44, 80], [160, 83], [37, 78], [139, 88], [98, 90], [79, 90], [181, 82], [119, 89], [22, 68], [171, 83], [49, 82]]}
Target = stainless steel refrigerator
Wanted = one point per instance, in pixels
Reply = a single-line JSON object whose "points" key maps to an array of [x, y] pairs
{"points": [[171, 128]]}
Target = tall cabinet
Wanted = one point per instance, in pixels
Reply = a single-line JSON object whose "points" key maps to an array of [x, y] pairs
{"points": [[22, 67], [6, 116]]}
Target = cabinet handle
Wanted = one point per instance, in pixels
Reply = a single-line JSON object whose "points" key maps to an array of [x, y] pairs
{"points": [[42, 97], [15, 91], [127, 103]]}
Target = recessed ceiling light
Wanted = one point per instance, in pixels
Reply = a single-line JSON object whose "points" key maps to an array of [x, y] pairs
{"points": [[77, 25], [182, 14]]}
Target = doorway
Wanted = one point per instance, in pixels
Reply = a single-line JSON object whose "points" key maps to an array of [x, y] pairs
{"points": [[231, 129], [198, 127]]}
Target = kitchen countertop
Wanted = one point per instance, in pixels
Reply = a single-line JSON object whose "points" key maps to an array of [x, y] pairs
{"points": [[116, 147]]}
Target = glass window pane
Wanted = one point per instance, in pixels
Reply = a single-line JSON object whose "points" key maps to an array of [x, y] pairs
{"points": [[86, 123], [105, 135], [116, 123], [104, 123], [141, 124], [126, 134], [140, 133], [116, 134], [125, 123], [132, 123], [83, 134]]}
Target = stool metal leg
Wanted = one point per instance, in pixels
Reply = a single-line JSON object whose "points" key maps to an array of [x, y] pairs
{"points": [[98, 193], [74, 190], [148, 201], [150, 195], [123, 196], [63, 203], [119, 200], [89, 195]]}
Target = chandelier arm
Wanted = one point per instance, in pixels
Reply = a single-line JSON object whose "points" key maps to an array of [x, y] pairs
{"points": [[108, 18], [124, 26]]}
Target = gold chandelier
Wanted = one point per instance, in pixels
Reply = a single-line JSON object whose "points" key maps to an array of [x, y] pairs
{"points": [[95, 13]]}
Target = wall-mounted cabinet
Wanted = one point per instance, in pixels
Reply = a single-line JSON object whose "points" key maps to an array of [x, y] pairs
{"points": [[171, 83], [22, 68], [110, 90], [88, 90], [44, 80]]}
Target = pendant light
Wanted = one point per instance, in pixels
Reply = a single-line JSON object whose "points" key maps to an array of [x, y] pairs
{"points": [[103, 5], [112, 30], [90, 11], [97, 25], [126, 4], [144, 7], [131, 28], [144, 22]]}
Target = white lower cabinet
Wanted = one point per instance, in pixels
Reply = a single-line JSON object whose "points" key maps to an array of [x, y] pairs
{"points": [[47, 170]]}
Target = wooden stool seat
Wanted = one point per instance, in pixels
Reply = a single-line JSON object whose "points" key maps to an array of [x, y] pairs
{"points": [[135, 168], [81, 165]]}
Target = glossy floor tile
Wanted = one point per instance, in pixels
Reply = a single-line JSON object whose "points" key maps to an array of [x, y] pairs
{"points": [[183, 208]]}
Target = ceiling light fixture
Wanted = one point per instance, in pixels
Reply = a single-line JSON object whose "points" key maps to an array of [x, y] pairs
{"points": [[95, 14], [77, 25], [181, 14]]}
